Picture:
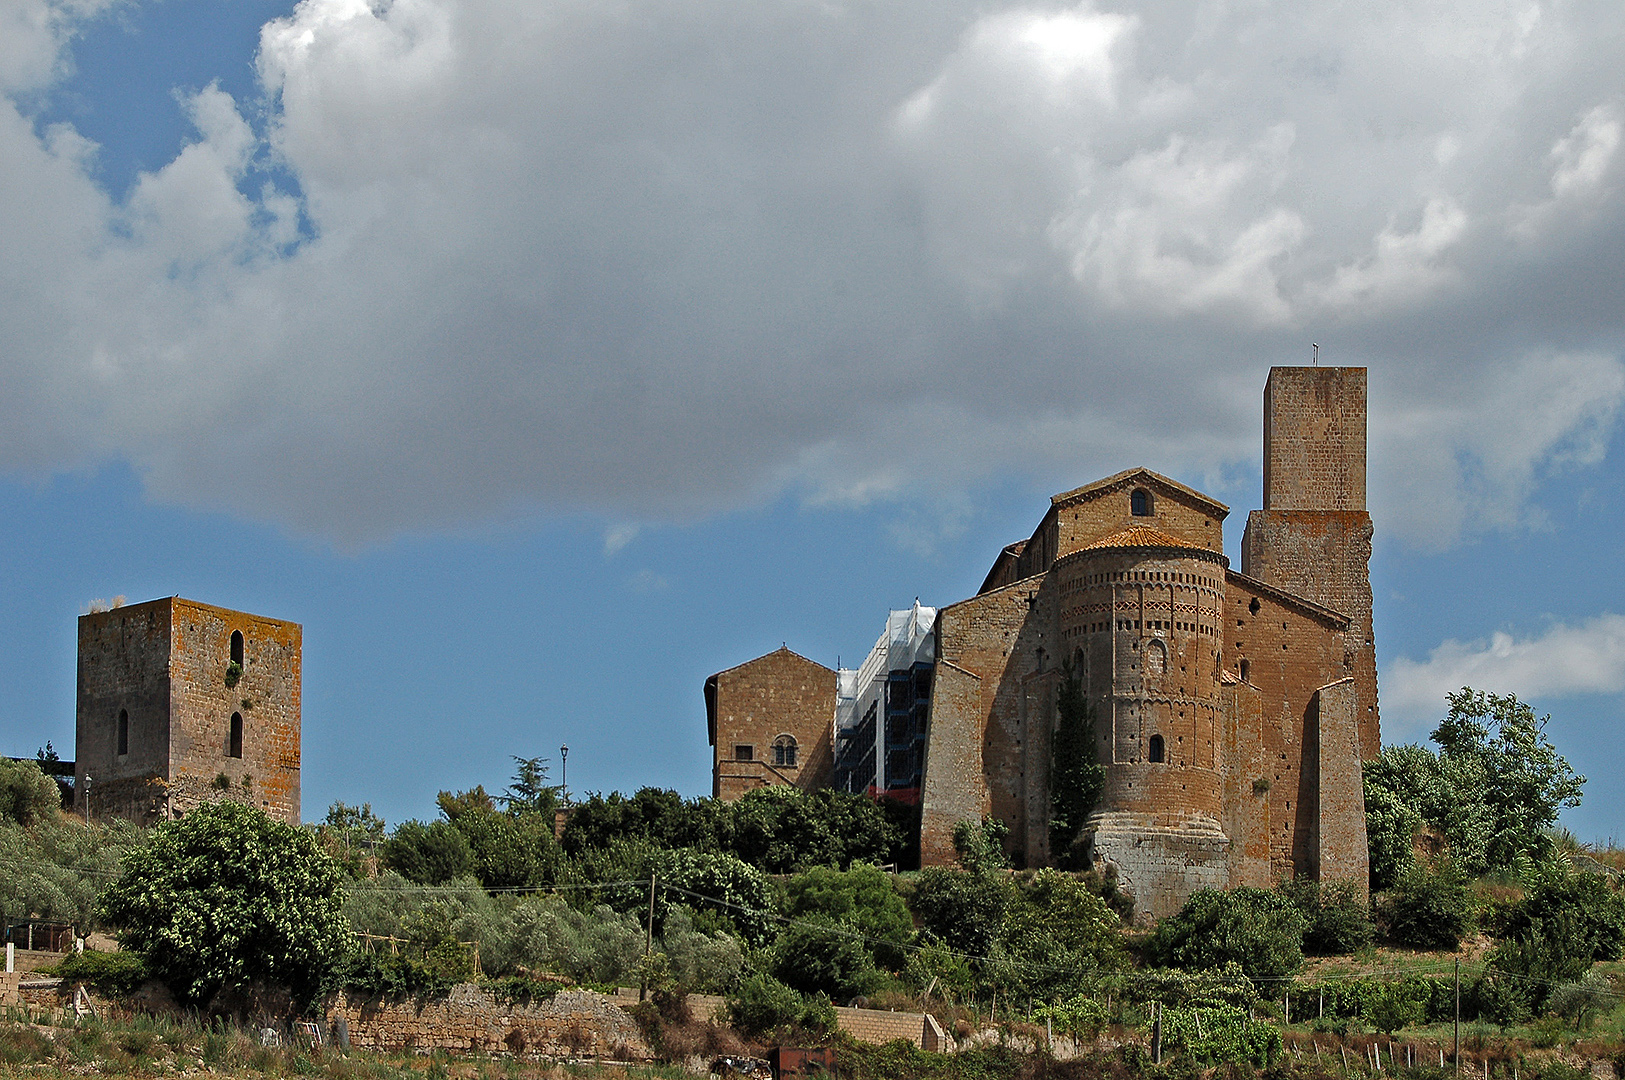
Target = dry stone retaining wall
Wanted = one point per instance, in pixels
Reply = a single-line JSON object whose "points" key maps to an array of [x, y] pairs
{"points": [[575, 1023]]}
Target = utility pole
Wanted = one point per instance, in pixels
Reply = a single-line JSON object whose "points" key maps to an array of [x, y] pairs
{"points": [[648, 942], [1458, 1017]]}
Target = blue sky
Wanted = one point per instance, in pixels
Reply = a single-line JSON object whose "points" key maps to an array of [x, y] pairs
{"points": [[542, 360]]}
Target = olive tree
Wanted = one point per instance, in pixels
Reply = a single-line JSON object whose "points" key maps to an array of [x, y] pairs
{"points": [[228, 896]]}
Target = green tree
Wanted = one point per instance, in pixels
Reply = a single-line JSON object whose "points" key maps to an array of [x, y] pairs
{"points": [[1339, 919], [229, 896], [1056, 938], [862, 897], [964, 911], [1564, 923], [1076, 775], [529, 792], [1525, 781], [430, 854], [979, 845], [818, 954], [1259, 930], [27, 795]]}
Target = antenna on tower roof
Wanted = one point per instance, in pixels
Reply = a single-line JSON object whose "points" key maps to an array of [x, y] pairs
{"points": [[1315, 360]]}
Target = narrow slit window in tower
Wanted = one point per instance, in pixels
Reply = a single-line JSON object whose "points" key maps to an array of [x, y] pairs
{"points": [[234, 744], [123, 732], [237, 647], [1155, 752]]}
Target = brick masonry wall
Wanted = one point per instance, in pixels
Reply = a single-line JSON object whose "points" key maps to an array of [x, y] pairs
{"points": [[997, 751], [1286, 650], [124, 665], [574, 1023], [777, 694], [1246, 810], [267, 697], [164, 663], [1315, 438], [1343, 852], [1105, 511], [1324, 556]]}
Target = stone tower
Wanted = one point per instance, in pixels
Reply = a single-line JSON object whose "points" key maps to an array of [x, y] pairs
{"points": [[181, 703], [1313, 536]]}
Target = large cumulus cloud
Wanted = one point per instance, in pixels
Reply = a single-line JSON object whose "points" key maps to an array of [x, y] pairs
{"points": [[657, 259]]}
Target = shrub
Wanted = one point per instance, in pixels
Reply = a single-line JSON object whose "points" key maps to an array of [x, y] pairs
{"points": [[862, 897], [963, 911], [762, 1004], [819, 954], [117, 973], [1429, 908], [1339, 920], [1260, 931], [227, 896], [1583, 998]]}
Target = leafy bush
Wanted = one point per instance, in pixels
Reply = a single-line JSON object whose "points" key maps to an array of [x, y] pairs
{"points": [[1339, 920], [1582, 999], [1260, 931], [862, 897], [117, 973], [226, 896], [1057, 937], [979, 845], [56, 867], [1429, 908], [962, 910], [1221, 1034], [431, 854], [762, 1004], [818, 954], [701, 962]]}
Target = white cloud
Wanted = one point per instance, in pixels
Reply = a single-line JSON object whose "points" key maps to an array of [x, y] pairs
{"points": [[660, 260], [1468, 456], [1587, 658]]}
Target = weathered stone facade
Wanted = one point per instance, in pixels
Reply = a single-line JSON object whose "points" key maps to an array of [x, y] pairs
{"points": [[771, 722], [1232, 710], [164, 720]]}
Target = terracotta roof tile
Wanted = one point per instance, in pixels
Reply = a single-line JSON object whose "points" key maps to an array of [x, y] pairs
{"points": [[1136, 536]]}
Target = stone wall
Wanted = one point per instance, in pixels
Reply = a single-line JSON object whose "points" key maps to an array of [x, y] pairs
{"points": [[1288, 648], [267, 698], [161, 667], [953, 789], [757, 702], [1343, 850], [1160, 862], [575, 1023], [124, 668], [1315, 438]]}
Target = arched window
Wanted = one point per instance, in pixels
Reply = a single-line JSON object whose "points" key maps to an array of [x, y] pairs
{"points": [[1139, 503], [234, 745], [237, 647], [1156, 657], [1155, 752], [123, 732], [784, 751], [1244, 671]]}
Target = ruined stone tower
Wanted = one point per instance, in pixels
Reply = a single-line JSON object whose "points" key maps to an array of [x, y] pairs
{"points": [[180, 703]]}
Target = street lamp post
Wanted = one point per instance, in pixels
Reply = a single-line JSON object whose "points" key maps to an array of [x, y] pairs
{"points": [[564, 772]]}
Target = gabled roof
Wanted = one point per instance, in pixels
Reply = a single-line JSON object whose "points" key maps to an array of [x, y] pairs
{"points": [[1131, 477], [711, 684]]}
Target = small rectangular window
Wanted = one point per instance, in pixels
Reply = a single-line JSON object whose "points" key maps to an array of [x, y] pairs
{"points": [[744, 753]]}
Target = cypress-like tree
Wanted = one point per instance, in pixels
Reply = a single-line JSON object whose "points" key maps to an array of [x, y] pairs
{"points": [[1076, 775]]}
